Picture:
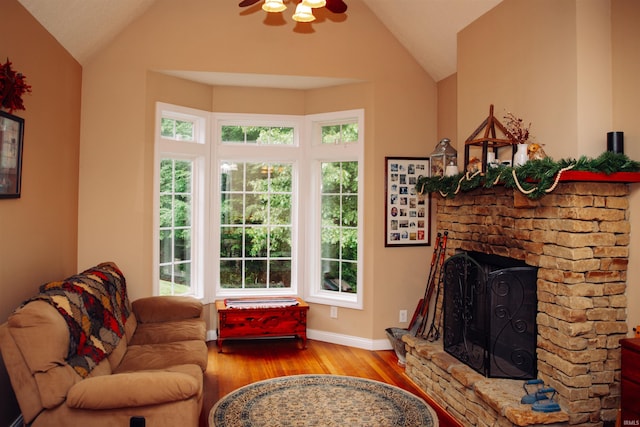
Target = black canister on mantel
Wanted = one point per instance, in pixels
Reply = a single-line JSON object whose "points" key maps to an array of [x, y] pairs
{"points": [[615, 142]]}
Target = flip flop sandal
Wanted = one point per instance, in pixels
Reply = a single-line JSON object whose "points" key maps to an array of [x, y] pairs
{"points": [[532, 396], [546, 404]]}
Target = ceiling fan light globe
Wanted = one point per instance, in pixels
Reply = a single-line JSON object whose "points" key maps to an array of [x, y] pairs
{"points": [[314, 3], [273, 6], [303, 13]]}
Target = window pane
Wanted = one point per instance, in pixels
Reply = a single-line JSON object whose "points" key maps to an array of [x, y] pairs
{"points": [[330, 134], [264, 135], [257, 176], [331, 242], [349, 211], [232, 209], [280, 274], [166, 176], [182, 247], [231, 274], [339, 233], [336, 134], [183, 276], [350, 132], [330, 275], [182, 208], [349, 177], [166, 211], [350, 244], [255, 243], [165, 246], [255, 211], [182, 177], [231, 176], [277, 136], [232, 134], [175, 210], [230, 242], [256, 274], [331, 178], [167, 127], [180, 130], [350, 277], [331, 210], [280, 209], [280, 177], [252, 134], [262, 198], [184, 130], [280, 242]]}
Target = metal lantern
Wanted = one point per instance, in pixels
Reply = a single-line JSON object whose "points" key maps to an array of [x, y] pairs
{"points": [[444, 155]]}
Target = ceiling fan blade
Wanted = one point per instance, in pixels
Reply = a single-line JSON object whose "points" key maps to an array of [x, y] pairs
{"points": [[336, 6], [245, 3]]}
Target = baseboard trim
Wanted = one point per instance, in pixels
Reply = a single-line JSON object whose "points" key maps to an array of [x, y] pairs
{"points": [[331, 337]]}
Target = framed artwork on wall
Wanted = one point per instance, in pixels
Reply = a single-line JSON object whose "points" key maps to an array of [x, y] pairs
{"points": [[407, 213], [11, 135]]}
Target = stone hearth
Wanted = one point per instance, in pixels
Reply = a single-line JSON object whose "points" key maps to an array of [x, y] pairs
{"points": [[578, 237]]}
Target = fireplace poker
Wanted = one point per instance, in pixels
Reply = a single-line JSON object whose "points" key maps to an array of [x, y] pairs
{"points": [[432, 280], [421, 311], [434, 330]]}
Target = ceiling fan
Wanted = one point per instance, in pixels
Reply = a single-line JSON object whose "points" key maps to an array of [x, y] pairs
{"points": [[335, 6]]}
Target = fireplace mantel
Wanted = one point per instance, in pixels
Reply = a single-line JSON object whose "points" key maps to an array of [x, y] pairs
{"points": [[586, 176]]}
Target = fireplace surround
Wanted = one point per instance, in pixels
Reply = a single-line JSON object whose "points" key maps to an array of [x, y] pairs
{"points": [[578, 237]]}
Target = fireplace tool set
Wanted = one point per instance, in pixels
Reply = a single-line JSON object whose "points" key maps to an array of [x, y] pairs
{"points": [[421, 317]]}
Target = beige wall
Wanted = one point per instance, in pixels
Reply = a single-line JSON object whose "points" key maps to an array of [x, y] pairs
{"points": [[120, 86], [38, 231], [568, 66], [626, 107]]}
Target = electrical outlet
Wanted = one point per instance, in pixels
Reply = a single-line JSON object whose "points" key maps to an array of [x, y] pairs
{"points": [[403, 316], [637, 330], [333, 312]]}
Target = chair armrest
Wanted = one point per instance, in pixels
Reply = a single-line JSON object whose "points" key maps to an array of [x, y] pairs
{"points": [[132, 389], [166, 308]]}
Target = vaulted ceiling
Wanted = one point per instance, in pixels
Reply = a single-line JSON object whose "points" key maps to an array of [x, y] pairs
{"points": [[427, 28]]}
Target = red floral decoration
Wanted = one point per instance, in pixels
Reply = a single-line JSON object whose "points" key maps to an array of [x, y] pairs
{"points": [[518, 129], [12, 87]]}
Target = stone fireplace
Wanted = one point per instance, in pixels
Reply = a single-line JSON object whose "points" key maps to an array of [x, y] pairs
{"points": [[577, 236]]}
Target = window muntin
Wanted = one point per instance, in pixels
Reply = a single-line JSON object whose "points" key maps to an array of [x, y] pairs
{"points": [[177, 129], [262, 135], [255, 225], [340, 133], [175, 219], [339, 234]]}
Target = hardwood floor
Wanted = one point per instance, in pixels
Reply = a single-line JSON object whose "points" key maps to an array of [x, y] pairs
{"points": [[244, 362]]}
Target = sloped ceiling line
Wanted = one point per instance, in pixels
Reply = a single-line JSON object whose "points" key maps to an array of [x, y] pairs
{"points": [[426, 28]]}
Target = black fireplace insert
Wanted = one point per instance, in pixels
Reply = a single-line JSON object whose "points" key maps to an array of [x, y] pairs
{"points": [[490, 307]]}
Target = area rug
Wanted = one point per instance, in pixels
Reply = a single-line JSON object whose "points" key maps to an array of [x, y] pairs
{"points": [[321, 400]]}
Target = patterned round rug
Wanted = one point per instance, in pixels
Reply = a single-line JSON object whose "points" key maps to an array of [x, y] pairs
{"points": [[321, 400]]}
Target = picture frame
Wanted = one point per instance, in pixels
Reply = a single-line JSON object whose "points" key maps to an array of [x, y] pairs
{"points": [[11, 140], [407, 213]]}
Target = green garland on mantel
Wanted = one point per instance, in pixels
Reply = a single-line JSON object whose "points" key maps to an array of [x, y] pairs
{"points": [[534, 179]]}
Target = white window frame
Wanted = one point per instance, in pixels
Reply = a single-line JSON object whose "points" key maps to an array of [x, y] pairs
{"points": [[307, 153], [257, 153], [196, 151], [319, 153]]}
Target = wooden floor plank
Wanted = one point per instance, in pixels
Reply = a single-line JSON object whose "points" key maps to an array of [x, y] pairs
{"points": [[244, 362]]}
